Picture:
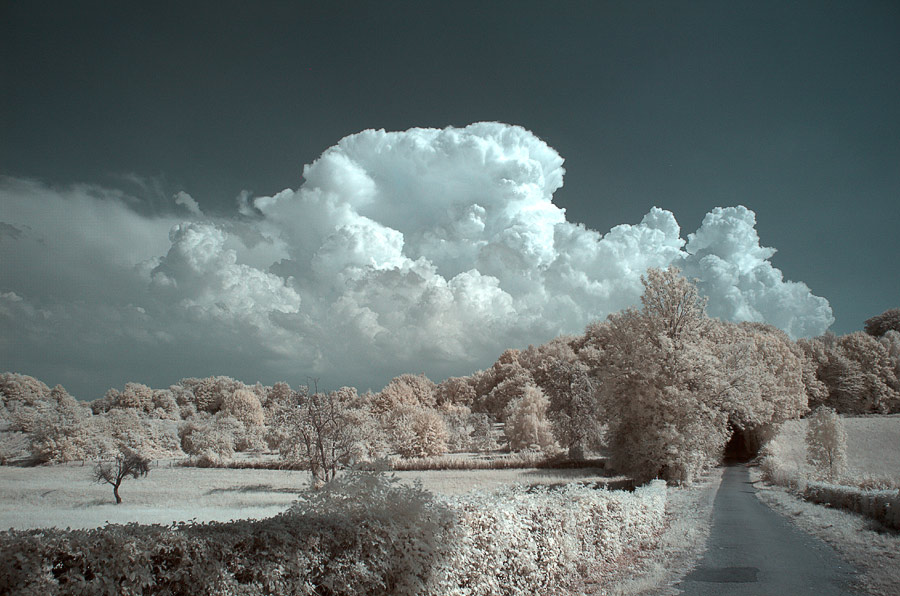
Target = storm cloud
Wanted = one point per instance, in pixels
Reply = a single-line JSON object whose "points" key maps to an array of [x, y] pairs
{"points": [[429, 250]]}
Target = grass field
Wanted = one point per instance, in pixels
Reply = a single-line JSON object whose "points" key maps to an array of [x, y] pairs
{"points": [[65, 496], [873, 447]]}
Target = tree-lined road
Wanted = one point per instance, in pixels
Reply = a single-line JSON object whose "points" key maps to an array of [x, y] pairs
{"points": [[753, 550]]}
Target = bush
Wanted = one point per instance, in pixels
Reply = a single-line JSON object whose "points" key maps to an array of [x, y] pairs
{"points": [[880, 505]]}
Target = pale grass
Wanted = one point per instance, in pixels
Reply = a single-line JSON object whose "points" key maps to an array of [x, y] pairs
{"points": [[65, 495], [873, 448]]}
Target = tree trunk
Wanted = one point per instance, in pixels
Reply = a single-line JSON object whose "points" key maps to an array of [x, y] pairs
{"points": [[116, 493]]}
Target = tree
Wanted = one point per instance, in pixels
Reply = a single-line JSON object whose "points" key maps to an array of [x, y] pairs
{"points": [[672, 306], [137, 396], [502, 383], [859, 372], [457, 391], [209, 393], [61, 430], [128, 463], [244, 405], [526, 425], [405, 390], [891, 343], [826, 442], [417, 431], [210, 438], [574, 411], [881, 324], [661, 388], [324, 431], [763, 371]]}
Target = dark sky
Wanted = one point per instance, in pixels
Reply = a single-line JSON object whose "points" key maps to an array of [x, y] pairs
{"points": [[792, 109]]}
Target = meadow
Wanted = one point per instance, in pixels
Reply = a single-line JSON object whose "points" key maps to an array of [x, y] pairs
{"points": [[65, 495], [873, 449]]}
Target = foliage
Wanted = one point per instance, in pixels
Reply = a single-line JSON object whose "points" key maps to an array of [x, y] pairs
{"points": [[459, 423], [210, 439], [661, 387], [209, 394], [482, 437], [763, 371], [244, 405], [826, 442], [878, 325], [60, 430], [527, 426], [858, 371], [405, 390], [417, 431], [457, 391], [891, 343], [574, 410], [22, 388]]}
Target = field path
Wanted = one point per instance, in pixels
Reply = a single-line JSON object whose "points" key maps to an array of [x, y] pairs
{"points": [[753, 550]]}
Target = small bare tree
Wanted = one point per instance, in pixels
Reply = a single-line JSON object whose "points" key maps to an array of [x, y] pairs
{"points": [[127, 463]]}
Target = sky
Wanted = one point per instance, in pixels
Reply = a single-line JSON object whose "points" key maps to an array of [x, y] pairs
{"points": [[349, 191]]}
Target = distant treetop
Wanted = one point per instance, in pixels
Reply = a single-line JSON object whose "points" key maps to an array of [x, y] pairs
{"points": [[881, 324]]}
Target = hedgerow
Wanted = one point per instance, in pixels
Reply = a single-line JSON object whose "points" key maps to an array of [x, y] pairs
{"points": [[362, 534]]}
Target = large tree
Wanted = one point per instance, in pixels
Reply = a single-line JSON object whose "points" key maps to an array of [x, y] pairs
{"points": [[859, 372], [763, 371], [661, 388], [878, 325]]}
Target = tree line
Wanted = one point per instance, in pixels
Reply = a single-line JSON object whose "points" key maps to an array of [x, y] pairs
{"points": [[662, 387]]}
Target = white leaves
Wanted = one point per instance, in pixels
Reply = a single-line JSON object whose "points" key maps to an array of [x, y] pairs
{"points": [[826, 442]]}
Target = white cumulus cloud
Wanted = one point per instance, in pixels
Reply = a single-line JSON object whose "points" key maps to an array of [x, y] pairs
{"points": [[419, 251]]}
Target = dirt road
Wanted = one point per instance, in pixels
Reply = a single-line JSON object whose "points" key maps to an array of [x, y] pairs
{"points": [[753, 550]]}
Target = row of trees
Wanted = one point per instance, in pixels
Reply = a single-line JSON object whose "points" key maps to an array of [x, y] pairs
{"points": [[663, 387]]}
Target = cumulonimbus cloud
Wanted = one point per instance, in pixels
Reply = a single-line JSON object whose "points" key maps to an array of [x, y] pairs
{"points": [[418, 251]]}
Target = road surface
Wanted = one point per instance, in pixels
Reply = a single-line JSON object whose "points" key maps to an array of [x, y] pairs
{"points": [[753, 550]]}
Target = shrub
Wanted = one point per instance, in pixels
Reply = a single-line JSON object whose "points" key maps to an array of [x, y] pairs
{"points": [[244, 405], [324, 431]]}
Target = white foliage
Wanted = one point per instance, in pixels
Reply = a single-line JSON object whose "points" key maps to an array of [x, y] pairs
{"points": [[826, 442]]}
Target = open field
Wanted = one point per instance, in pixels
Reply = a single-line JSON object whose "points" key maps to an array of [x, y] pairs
{"points": [[873, 446], [65, 495]]}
